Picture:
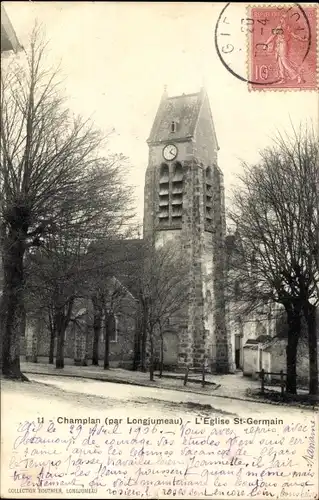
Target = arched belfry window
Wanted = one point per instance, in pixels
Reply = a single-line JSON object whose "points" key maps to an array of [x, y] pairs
{"points": [[164, 194], [178, 172], [177, 193], [208, 195], [164, 173]]}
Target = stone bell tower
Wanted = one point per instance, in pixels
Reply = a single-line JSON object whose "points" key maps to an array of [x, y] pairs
{"points": [[184, 202]]}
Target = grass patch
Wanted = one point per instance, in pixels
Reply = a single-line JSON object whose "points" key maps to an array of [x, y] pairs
{"points": [[286, 398]]}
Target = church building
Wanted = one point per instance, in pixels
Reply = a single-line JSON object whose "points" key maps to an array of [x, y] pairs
{"points": [[184, 206], [184, 203]]}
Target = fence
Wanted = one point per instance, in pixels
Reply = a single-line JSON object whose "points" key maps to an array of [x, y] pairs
{"points": [[264, 376], [204, 370]]}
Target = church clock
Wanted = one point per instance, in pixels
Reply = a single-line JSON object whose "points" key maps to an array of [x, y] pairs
{"points": [[170, 152]]}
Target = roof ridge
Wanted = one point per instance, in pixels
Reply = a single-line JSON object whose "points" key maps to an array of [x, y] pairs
{"points": [[183, 95]]}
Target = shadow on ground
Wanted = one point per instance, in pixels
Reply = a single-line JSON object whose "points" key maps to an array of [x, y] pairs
{"points": [[276, 397], [47, 391]]}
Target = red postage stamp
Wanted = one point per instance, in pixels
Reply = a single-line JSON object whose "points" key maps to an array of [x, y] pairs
{"points": [[283, 47]]}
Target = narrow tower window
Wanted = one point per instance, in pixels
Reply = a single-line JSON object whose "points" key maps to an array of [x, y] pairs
{"points": [[163, 213], [208, 195], [173, 126], [177, 193]]}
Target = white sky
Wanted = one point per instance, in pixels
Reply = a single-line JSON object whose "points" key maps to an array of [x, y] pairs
{"points": [[118, 56]]}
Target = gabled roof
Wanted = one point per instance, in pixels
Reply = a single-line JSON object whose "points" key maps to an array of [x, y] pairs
{"points": [[251, 342], [230, 243], [264, 338], [234, 250], [268, 346], [9, 40], [122, 258], [184, 110], [123, 285]]}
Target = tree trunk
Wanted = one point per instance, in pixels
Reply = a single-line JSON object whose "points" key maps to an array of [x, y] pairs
{"points": [[151, 357], [13, 306], [162, 356], [311, 319], [52, 338], [144, 336], [97, 324], [60, 330], [62, 320], [51, 350], [294, 327], [143, 353], [52, 342], [2, 320], [137, 344], [59, 360], [107, 327], [87, 336]]}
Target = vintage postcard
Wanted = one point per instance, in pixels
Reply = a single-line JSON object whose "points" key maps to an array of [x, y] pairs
{"points": [[159, 239]]}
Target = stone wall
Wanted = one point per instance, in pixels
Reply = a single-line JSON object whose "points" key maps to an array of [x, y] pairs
{"points": [[222, 335], [251, 360], [202, 331], [79, 337], [279, 361], [205, 145], [193, 230]]}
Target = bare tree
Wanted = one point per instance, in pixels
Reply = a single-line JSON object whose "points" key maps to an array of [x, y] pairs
{"points": [[163, 290], [276, 212], [38, 296], [97, 301], [115, 304], [65, 270], [55, 280], [51, 166], [110, 258]]}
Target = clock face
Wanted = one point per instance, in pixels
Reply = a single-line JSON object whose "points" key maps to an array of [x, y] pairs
{"points": [[170, 152]]}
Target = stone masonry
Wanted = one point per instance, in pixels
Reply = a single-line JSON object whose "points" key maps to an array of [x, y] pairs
{"points": [[184, 203]]}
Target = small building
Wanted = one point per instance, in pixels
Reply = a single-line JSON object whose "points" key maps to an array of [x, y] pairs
{"points": [[256, 357], [251, 358], [9, 39], [269, 353]]}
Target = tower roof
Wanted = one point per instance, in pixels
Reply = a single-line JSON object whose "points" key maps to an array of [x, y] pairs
{"points": [[184, 110]]}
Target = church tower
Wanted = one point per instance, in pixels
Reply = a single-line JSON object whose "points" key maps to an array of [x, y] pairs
{"points": [[184, 202]]}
